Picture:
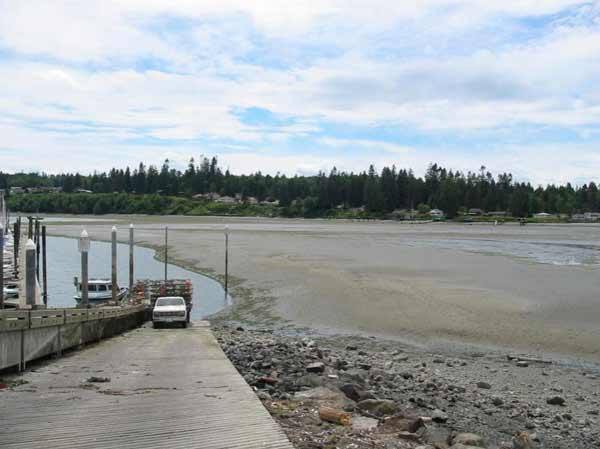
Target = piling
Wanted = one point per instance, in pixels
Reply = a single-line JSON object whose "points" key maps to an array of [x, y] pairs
{"points": [[44, 266], [30, 228], [131, 242], [84, 246], [1, 266], [114, 262], [37, 248], [17, 242], [30, 268]]}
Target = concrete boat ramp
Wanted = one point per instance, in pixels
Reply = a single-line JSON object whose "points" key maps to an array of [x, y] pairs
{"points": [[168, 388]]}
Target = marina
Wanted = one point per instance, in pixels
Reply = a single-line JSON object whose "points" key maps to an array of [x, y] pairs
{"points": [[164, 388]]}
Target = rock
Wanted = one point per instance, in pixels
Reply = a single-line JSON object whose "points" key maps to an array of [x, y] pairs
{"points": [[351, 348], [556, 400], [522, 440], [402, 423], [437, 436], [378, 407], [317, 367], [267, 380], [352, 391], [364, 424], [96, 379], [322, 394], [461, 446], [439, 416], [310, 380], [522, 364], [408, 436], [356, 376], [497, 401], [484, 385], [468, 439], [263, 395]]}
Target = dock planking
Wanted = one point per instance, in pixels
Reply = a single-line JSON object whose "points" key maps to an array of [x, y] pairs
{"points": [[169, 388]]}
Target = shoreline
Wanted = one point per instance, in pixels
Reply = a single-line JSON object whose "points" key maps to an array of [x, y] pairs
{"points": [[262, 299], [416, 397]]}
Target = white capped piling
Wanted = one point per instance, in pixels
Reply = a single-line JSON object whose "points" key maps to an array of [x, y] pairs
{"points": [[1, 266], [114, 263], [30, 268], [226, 259], [84, 249], [131, 249], [44, 265], [37, 248]]}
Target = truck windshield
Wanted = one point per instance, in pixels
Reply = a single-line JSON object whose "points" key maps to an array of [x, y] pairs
{"points": [[170, 302]]}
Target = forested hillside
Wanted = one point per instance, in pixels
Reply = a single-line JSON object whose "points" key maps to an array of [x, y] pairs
{"points": [[148, 189]]}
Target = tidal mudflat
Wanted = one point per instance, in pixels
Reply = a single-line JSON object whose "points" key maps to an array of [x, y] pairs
{"points": [[534, 288]]}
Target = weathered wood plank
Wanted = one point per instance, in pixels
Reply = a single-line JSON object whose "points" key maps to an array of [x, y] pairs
{"points": [[169, 388]]}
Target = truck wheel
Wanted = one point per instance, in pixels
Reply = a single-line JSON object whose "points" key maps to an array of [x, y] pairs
{"points": [[156, 325], [185, 324]]}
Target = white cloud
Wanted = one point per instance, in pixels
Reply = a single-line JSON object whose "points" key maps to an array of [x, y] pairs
{"points": [[85, 77]]}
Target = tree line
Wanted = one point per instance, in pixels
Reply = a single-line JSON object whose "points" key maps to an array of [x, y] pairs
{"points": [[377, 193]]}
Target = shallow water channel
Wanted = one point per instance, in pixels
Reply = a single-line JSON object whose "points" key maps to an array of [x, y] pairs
{"points": [[64, 262]]}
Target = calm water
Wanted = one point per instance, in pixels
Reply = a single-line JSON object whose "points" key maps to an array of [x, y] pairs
{"points": [[565, 253], [64, 264]]}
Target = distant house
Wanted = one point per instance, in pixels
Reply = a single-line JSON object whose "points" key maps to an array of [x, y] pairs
{"points": [[226, 200], [475, 211], [436, 213], [542, 215], [497, 213], [212, 196], [16, 190], [82, 191], [591, 216], [251, 200]]}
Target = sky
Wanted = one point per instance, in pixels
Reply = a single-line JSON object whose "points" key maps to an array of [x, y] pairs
{"points": [[300, 86]]}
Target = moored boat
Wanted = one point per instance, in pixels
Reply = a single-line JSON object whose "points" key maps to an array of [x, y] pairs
{"points": [[99, 291]]}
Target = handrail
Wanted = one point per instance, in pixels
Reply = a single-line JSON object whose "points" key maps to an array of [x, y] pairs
{"points": [[12, 320]]}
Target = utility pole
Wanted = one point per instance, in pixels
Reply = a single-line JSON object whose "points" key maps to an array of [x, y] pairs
{"points": [[114, 263], [226, 259]]}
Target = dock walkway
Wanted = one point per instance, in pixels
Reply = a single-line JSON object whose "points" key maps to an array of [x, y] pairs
{"points": [[169, 388]]}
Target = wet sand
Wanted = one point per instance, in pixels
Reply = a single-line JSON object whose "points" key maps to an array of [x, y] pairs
{"points": [[376, 278]]}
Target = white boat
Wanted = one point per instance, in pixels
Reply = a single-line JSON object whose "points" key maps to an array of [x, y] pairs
{"points": [[99, 291]]}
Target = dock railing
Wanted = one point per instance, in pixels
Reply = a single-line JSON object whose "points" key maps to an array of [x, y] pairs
{"points": [[26, 335]]}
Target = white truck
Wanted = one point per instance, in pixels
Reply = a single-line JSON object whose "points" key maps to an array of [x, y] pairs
{"points": [[168, 310]]}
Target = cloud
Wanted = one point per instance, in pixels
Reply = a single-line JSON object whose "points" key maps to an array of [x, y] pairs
{"points": [[147, 78]]}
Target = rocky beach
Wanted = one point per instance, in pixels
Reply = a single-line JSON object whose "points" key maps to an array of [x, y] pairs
{"points": [[351, 392]]}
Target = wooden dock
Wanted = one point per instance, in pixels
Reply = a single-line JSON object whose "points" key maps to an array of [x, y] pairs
{"points": [[169, 388]]}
